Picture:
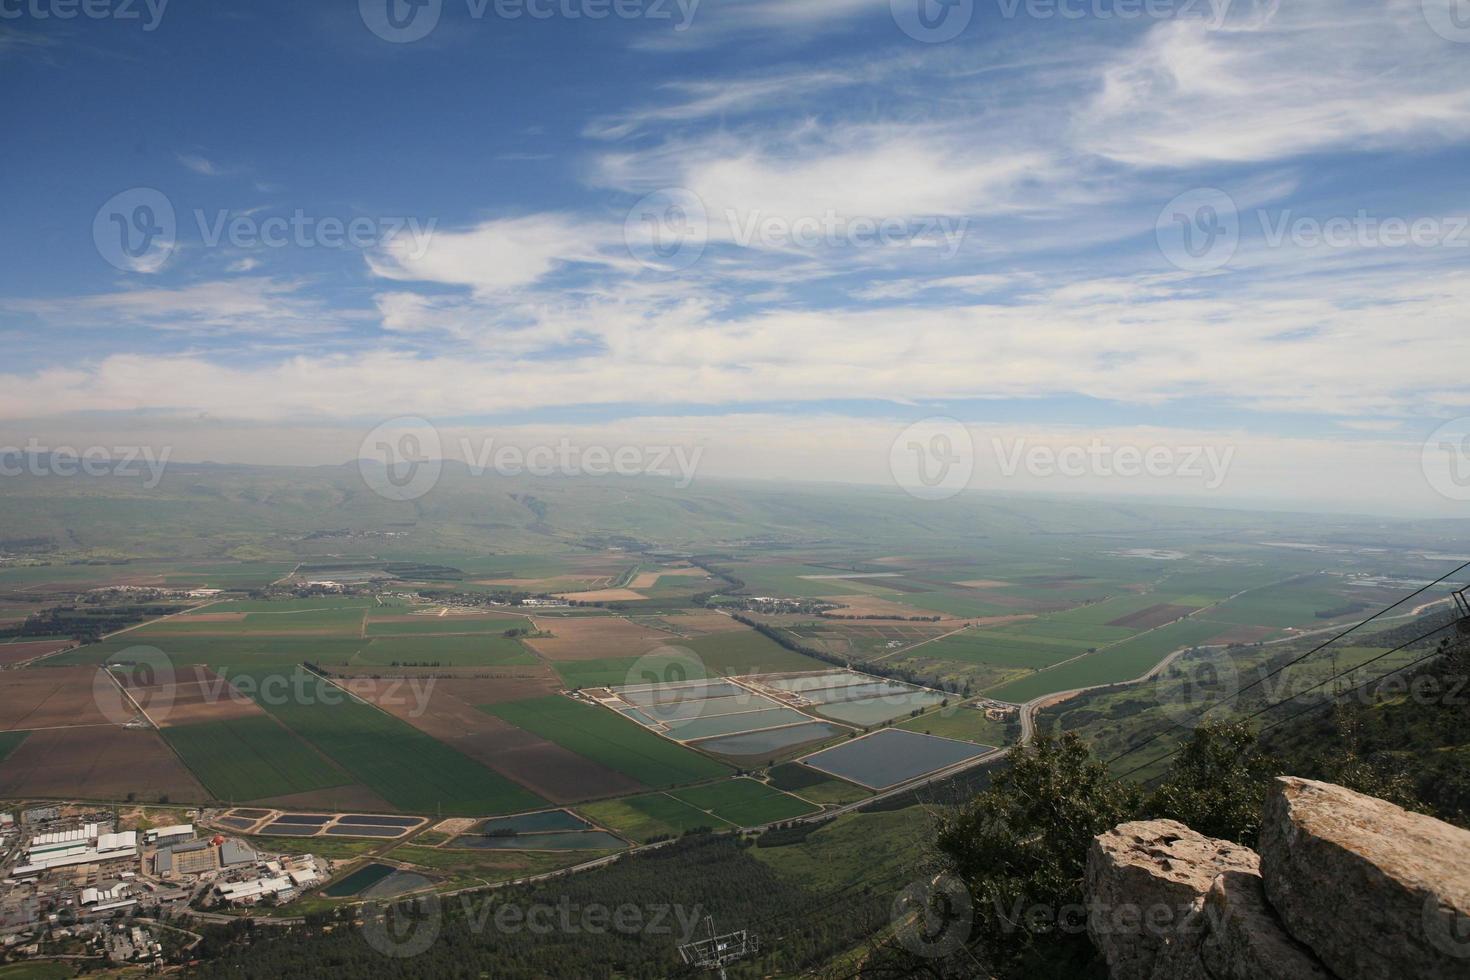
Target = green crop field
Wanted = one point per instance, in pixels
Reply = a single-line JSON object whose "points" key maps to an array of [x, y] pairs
{"points": [[251, 759], [448, 651], [287, 605], [608, 739], [853, 849], [1122, 662], [818, 787], [9, 742], [414, 772], [186, 650], [654, 815], [346, 622], [444, 624], [964, 723], [744, 802], [1001, 649], [746, 652]]}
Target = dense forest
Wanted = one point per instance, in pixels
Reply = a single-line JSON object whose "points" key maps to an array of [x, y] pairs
{"points": [[660, 897]]}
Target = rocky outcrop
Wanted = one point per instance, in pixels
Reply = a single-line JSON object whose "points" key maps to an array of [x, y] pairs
{"points": [[1144, 881], [1374, 890], [1346, 887], [1244, 940]]}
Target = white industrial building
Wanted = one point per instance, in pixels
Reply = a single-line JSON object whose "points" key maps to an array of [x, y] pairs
{"points": [[166, 835], [249, 892], [84, 845]]}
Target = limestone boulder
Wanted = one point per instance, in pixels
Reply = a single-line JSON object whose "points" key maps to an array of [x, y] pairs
{"points": [[1145, 880], [1244, 940], [1374, 890]]}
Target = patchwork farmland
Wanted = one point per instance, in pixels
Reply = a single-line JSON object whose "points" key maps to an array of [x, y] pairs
{"points": [[374, 705]]}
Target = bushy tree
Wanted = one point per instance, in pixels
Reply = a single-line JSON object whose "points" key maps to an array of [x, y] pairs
{"points": [[1217, 785], [1020, 848]]}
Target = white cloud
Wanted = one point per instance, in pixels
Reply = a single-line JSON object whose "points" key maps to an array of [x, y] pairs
{"points": [[248, 304], [496, 255], [1318, 75], [1359, 345], [200, 164], [879, 171], [725, 97]]}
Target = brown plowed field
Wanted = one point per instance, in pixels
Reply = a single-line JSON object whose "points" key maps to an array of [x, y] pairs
{"points": [[1147, 619], [596, 637], [647, 580], [16, 653], [50, 697], [604, 595], [871, 605], [536, 678], [97, 764], [199, 697], [452, 717], [705, 621]]}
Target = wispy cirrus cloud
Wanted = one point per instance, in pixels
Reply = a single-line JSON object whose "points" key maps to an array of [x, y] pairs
{"points": [[1303, 77], [249, 304]]}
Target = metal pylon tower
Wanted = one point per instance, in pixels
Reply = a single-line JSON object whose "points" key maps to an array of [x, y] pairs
{"points": [[717, 952]]}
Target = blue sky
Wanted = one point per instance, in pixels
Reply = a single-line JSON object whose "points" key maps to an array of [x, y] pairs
{"points": [[1103, 218]]}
